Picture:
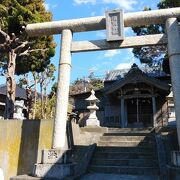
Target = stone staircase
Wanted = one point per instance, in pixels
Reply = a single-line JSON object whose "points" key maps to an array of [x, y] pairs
{"points": [[129, 151]]}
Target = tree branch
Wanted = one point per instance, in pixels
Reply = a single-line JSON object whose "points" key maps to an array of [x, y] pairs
{"points": [[3, 63], [20, 46], [28, 51], [2, 45], [13, 37], [33, 50], [6, 36]]}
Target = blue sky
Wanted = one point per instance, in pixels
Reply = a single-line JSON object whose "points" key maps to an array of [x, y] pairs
{"points": [[102, 61]]}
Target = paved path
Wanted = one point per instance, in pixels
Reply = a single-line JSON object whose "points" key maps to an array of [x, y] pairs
{"points": [[99, 176]]}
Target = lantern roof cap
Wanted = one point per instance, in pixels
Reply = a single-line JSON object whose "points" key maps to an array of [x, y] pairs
{"points": [[92, 97], [170, 95]]}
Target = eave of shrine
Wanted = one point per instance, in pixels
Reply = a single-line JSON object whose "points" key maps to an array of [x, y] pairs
{"points": [[135, 76]]}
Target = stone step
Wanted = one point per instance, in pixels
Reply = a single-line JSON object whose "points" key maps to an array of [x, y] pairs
{"points": [[125, 149], [126, 138], [126, 143], [94, 129], [110, 176], [125, 162], [53, 171], [125, 155], [124, 170], [148, 129], [116, 133], [130, 130]]}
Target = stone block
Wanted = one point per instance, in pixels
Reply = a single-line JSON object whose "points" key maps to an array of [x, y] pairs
{"points": [[53, 171], [52, 156], [175, 158], [173, 172], [24, 177], [94, 129], [92, 122]]}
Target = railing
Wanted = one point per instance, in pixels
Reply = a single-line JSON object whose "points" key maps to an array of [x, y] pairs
{"points": [[144, 118], [113, 121], [162, 116]]}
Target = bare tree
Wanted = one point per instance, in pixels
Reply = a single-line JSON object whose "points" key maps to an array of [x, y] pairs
{"points": [[12, 47], [44, 79]]}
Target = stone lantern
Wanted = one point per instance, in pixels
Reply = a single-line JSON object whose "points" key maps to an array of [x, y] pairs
{"points": [[92, 100], [18, 110]]}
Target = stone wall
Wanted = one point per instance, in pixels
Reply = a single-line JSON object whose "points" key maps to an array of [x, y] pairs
{"points": [[86, 136], [21, 143]]}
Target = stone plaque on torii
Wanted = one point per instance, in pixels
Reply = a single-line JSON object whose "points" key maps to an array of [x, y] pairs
{"points": [[68, 46], [114, 25]]}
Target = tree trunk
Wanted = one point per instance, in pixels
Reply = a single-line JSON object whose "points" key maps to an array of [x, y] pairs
{"points": [[35, 95], [45, 103], [11, 85], [42, 100]]}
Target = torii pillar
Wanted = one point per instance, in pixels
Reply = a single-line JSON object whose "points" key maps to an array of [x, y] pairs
{"points": [[59, 135], [174, 62]]}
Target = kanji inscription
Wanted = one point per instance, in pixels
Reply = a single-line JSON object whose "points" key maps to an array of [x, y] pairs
{"points": [[114, 25]]}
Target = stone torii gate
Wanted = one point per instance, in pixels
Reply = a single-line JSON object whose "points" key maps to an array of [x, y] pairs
{"points": [[68, 46]]}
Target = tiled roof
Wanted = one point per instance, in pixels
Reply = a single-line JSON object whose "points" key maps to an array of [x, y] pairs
{"points": [[87, 92], [116, 74], [120, 73], [20, 92], [136, 75]]}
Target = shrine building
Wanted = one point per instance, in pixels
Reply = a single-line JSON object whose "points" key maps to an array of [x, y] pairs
{"points": [[129, 98]]}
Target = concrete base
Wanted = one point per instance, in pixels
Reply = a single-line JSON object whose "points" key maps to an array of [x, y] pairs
{"points": [[92, 122], [54, 164], [59, 171], [173, 172], [175, 158], [52, 156], [24, 177], [95, 129]]}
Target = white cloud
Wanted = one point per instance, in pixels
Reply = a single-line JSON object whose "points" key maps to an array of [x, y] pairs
{"points": [[49, 6], [124, 4], [111, 53], [94, 68], [124, 65], [78, 2], [107, 63], [128, 60], [54, 6], [46, 5]]}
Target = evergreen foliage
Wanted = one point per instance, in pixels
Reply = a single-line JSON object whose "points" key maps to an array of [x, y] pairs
{"points": [[154, 55], [14, 15]]}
